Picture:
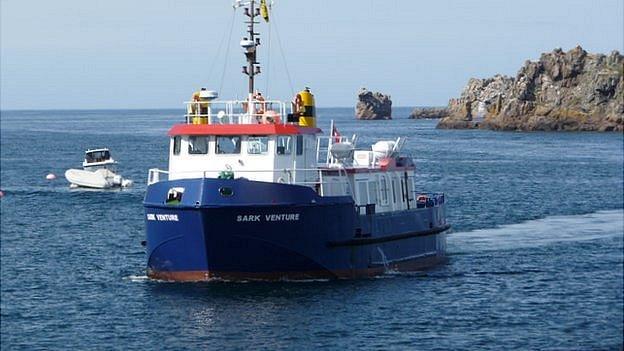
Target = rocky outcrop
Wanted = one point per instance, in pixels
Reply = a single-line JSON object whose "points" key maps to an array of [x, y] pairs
{"points": [[429, 112], [373, 105], [571, 90]]}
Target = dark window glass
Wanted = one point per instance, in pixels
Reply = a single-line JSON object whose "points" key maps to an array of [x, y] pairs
{"points": [[299, 144], [97, 156], [228, 145], [384, 190], [283, 145], [394, 190], [198, 145], [177, 141]]}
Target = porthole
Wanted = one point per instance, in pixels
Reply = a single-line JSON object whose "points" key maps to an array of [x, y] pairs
{"points": [[226, 191]]}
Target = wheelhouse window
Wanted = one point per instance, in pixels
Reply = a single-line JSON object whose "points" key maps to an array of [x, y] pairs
{"points": [[97, 156], [177, 142], [228, 145], [399, 197], [384, 190], [198, 145], [372, 191], [403, 191], [283, 145], [257, 145], [299, 145], [362, 192], [394, 190], [410, 188]]}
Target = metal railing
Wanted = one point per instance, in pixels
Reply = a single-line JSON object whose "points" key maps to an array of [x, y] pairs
{"points": [[236, 112], [285, 176], [323, 145]]}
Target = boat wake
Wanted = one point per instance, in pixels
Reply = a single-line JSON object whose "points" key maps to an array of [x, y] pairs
{"points": [[553, 229], [137, 278], [145, 278]]}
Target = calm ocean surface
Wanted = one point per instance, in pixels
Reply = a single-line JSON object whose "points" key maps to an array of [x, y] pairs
{"points": [[535, 254]]}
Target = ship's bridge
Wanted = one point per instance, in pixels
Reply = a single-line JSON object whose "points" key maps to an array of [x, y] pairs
{"points": [[254, 139]]}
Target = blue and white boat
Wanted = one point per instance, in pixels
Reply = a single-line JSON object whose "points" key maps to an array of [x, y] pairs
{"points": [[255, 191]]}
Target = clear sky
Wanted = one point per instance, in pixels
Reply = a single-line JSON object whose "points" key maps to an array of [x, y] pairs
{"points": [[152, 54]]}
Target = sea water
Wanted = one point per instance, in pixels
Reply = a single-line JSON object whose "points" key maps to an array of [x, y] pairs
{"points": [[535, 251]]}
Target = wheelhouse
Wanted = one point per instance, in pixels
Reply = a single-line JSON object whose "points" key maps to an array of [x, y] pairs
{"points": [[270, 153], [97, 158]]}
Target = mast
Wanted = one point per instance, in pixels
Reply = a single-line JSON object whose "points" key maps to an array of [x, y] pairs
{"points": [[250, 45]]}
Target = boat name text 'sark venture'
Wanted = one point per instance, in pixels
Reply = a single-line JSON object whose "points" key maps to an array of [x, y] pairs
{"points": [[254, 191]]}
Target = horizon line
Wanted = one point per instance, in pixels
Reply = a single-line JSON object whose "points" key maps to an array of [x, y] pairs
{"points": [[165, 108]]}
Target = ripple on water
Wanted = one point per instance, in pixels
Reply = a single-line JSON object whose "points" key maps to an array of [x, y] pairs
{"points": [[535, 256]]}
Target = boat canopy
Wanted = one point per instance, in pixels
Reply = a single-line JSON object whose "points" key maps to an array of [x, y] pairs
{"points": [[97, 155]]}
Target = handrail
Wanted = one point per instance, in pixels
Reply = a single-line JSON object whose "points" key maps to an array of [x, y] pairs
{"points": [[325, 150], [235, 112], [155, 173]]}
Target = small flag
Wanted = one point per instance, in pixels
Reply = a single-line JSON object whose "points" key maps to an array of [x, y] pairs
{"points": [[264, 10], [335, 134]]}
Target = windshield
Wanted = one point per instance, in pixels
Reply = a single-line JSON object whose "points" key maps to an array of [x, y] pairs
{"points": [[97, 156]]}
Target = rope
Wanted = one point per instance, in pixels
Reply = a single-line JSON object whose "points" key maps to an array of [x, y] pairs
{"points": [[227, 52], [279, 41]]}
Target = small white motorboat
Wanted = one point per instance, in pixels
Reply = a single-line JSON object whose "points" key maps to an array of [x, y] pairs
{"points": [[98, 171]]}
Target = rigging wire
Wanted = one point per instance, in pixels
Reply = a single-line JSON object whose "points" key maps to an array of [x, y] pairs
{"points": [[279, 42], [218, 52], [227, 52], [268, 71]]}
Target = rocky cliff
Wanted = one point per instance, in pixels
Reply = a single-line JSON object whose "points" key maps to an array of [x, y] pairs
{"points": [[373, 105], [571, 90], [429, 112]]}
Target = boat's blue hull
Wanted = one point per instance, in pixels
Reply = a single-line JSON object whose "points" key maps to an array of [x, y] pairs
{"points": [[279, 231]]}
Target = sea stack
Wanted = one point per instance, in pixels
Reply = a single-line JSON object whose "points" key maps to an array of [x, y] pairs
{"points": [[373, 105], [562, 91]]}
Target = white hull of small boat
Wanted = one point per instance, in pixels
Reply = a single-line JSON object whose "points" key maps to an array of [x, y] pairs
{"points": [[99, 179]]}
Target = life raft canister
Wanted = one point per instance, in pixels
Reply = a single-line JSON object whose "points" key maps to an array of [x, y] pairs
{"points": [[307, 114]]}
